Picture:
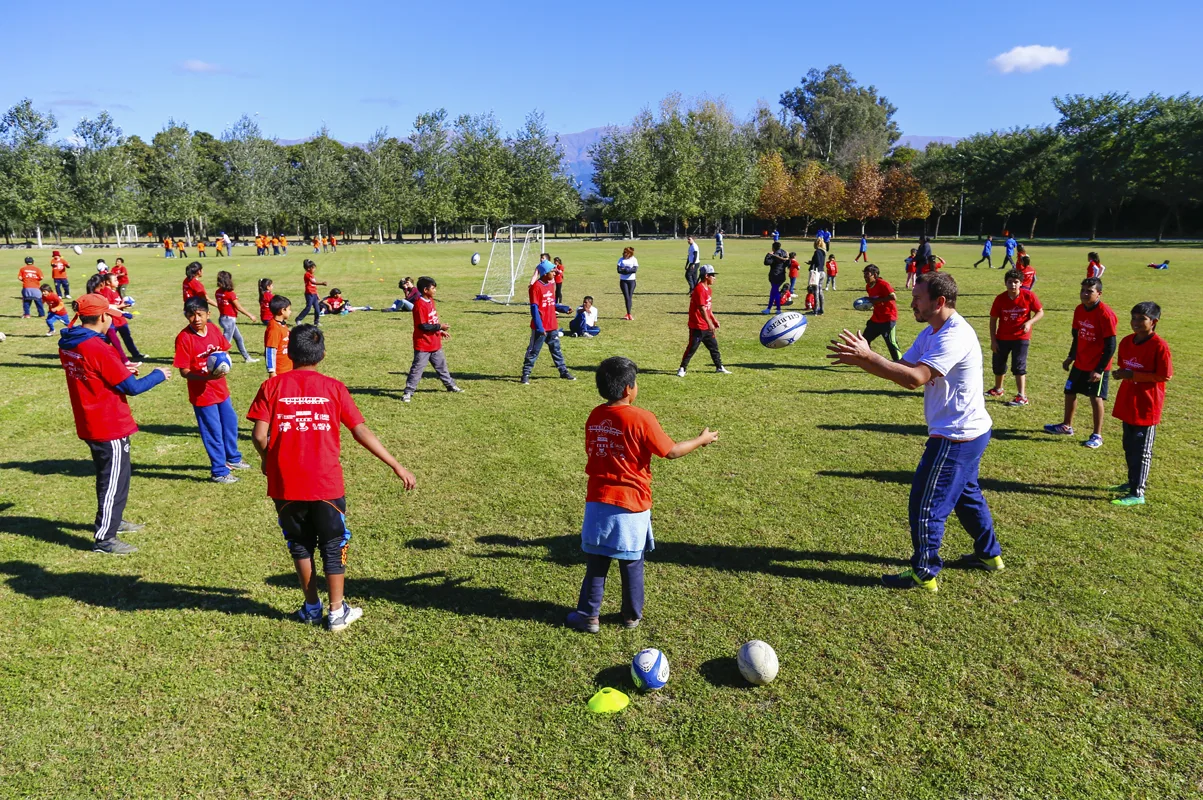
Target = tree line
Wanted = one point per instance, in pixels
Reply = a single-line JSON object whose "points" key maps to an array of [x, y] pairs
{"points": [[828, 153]]}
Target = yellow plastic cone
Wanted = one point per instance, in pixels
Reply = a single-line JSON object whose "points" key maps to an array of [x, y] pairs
{"points": [[608, 701]]}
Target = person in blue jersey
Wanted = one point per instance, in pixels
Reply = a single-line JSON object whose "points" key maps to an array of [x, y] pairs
{"points": [[987, 249], [1011, 245], [718, 243], [864, 250]]}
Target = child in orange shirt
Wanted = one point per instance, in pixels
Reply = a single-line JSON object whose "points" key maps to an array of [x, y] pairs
{"points": [[620, 441], [56, 311], [168, 252], [200, 248], [317, 244], [58, 271], [284, 245], [179, 249]]}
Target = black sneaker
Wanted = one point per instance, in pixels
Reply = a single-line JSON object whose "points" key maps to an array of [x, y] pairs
{"points": [[129, 527], [525, 380], [114, 547], [454, 389], [568, 376]]}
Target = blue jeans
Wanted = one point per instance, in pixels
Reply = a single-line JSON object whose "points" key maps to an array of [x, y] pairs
{"points": [[536, 344], [944, 483], [594, 586], [774, 296], [53, 318], [62, 286], [34, 296], [229, 329], [578, 326], [311, 303], [219, 432]]}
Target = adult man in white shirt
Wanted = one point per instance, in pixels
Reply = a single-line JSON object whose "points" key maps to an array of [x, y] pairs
{"points": [[946, 360], [692, 257]]}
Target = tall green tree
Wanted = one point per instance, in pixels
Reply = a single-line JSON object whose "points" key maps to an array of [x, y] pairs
{"points": [[726, 172], [677, 155], [542, 189], [319, 179], [1103, 142], [485, 170], [33, 170], [380, 183], [172, 182], [103, 176], [434, 170], [843, 120], [624, 171], [1169, 156], [940, 175], [864, 192], [254, 173]]}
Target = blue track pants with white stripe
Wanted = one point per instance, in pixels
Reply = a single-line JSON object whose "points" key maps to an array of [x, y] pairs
{"points": [[946, 482]]}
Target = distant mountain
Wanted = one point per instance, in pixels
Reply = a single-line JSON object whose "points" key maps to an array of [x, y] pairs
{"points": [[921, 142]]}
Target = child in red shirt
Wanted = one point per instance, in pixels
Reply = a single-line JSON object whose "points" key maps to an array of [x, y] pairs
{"points": [[297, 420], [31, 287], [98, 383], [122, 273], [793, 272], [1089, 361], [620, 441], [702, 324], [192, 283], [311, 297], [265, 300], [228, 309], [208, 391], [55, 310], [1012, 316], [1026, 271], [833, 269], [559, 273], [58, 271], [429, 334], [1145, 367]]}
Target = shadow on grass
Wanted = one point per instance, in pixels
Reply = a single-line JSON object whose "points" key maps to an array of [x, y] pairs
{"points": [[1002, 434], [128, 592], [616, 677], [17, 365], [436, 590], [45, 530], [988, 484], [874, 392], [86, 469], [764, 365], [779, 561], [723, 672], [427, 544]]}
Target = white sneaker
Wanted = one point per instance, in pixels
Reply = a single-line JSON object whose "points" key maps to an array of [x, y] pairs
{"points": [[586, 335], [337, 621], [681, 372], [252, 361], [723, 371]]}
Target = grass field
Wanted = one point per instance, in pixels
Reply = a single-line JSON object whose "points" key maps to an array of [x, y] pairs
{"points": [[1075, 673]]}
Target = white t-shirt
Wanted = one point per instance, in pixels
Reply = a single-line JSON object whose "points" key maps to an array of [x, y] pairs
{"points": [[694, 254], [954, 405], [590, 316], [628, 262]]}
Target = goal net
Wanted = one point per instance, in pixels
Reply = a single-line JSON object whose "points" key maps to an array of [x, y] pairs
{"points": [[512, 259], [478, 232]]}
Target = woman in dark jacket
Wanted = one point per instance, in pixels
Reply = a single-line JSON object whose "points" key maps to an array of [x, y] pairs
{"points": [[778, 262]]}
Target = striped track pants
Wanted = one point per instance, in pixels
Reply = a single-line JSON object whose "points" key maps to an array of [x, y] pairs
{"points": [[1138, 452], [946, 483], [112, 484]]}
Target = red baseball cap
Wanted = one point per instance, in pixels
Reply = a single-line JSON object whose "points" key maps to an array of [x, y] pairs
{"points": [[92, 305]]}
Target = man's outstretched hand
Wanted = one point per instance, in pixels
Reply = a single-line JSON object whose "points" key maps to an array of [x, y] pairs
{"points": [[850, 348]]}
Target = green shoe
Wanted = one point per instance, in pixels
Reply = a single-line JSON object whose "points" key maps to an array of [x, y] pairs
{"points": [[1130, 500], [988, 563], [908, 580]]}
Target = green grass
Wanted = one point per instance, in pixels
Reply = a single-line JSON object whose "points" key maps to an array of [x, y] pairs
{"points": [[1075, 673]]}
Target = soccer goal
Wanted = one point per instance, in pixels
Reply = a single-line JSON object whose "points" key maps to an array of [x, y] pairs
{"points": [[478, 232], [512, 258]]}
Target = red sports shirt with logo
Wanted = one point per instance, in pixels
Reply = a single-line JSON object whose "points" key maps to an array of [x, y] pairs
{"points": [[1140, 403], [310, 283], [192, 351], [93, 371], [192, 288], [303, 410], [426, 313], [225, 303], [543, 295], [882, 312], [620, 442], [699, 307], [1012, 314], [122, 273], [31, 277], [265, 306], [1093, 327], [110, 294]]}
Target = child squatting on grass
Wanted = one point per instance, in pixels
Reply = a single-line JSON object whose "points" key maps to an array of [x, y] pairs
{"points": [[620, 441]]}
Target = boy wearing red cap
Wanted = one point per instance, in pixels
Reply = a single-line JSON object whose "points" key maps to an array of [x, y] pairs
{"points": [[98, 384]]}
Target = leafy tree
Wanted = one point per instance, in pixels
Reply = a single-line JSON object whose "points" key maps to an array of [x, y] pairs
{"points": [[542, 190], [864, 192], [903, 198], [254, 173], [1103, 138], [940, 174], [677, 154], [172, 181], [377, 181], [843, 120], [319, 173], [901, 156], [726, 176], [829, 198], [779, 134], [778, 199], [809, 188], [1169, 155], [33, 169], [624, 170], [103, 177], [485, 171], [434, 170]]}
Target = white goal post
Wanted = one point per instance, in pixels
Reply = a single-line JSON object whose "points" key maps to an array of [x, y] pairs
{"points": [[512, 258], [478, 232]]}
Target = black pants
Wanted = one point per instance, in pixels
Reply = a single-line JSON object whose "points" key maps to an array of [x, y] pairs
{"points": [[628, 293], [112, 484], [126, 336], [559, 294], [691, 275], [1138, 452], [1017, 350], [707, 338], [888, 331]]}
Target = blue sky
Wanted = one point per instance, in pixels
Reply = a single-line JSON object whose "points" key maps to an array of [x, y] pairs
{"points": [[361, 66]]}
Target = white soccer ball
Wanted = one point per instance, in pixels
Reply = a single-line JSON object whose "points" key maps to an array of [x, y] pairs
{"points": [[475, 259], [79, 251], [757, 662], [783, 330], [862, 304]]}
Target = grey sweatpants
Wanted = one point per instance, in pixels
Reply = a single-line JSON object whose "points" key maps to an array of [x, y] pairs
{"points": [[436, 360]]}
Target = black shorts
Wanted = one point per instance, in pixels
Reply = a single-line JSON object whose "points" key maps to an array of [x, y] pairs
{"points": [[1017, 349], [310, 525], [1079, 383]]}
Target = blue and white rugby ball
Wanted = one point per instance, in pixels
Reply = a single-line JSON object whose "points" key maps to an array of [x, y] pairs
{"points": [[862, 304], [219, 363], [475, 259], [129, 301], [649, 670], [783, 330]]}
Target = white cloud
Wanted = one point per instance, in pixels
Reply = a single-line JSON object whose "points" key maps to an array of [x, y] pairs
{"points": [[1030, 58], [205, 67]]}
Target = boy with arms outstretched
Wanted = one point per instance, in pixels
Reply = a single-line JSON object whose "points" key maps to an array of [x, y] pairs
{"points": [[297, 417], [1089, 361], [620, 440], [1144, 368]]}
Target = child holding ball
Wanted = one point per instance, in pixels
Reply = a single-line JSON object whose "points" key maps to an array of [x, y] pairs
{"points": [[620, 440]]}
